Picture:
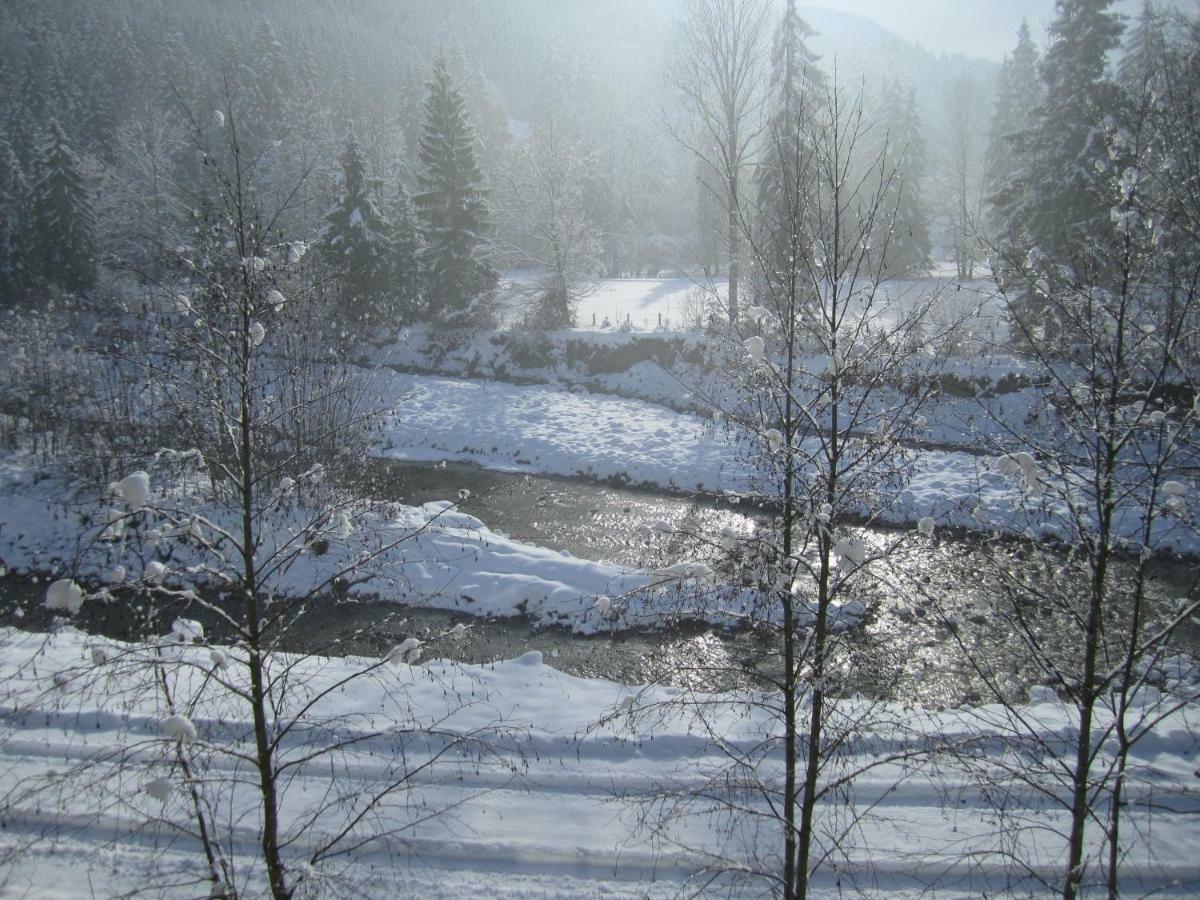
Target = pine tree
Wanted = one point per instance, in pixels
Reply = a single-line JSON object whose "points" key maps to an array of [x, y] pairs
{"points": [[13, 190], [63, 227], [269, 89], [1019, 92], [451, 204], [1060, 194], [107, 93], [903, 225], [356, 241]]}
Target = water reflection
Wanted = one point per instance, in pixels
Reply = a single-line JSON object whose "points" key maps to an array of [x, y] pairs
{"points": [[933, 626], [934, 630]]}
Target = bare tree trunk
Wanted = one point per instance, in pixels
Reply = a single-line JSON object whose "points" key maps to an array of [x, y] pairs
{"points": [[720, 56], [734, 247]]}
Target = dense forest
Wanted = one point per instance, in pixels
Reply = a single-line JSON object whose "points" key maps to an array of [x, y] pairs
{"points": [[125, 93]]}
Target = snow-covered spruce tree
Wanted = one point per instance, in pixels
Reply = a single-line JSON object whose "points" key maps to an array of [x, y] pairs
{"points": [[355, 243], [1057, 197], [13, 198], [266, 73], [451, 201], [720, 57], [544, 211], [818, 408], [239, 533], [906, 219], [1105, 468], [798, 87], [62, 228], [1145, 47], [44, 94], [1018, 95]]}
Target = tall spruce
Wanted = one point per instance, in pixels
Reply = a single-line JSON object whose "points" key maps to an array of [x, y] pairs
{"points": [[1146, 48], [43, 92], [62, 223], [1019, 93], [268, 88], [901, 231], [451, 205], [356, 242], [1061, 194], [13, 195], [798, 89]]}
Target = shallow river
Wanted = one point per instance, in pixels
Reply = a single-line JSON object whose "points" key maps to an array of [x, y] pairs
{"points": [[929, 612]]}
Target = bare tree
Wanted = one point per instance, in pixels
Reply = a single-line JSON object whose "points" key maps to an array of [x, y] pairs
{"points": [[961, 172], [720, 57], [813, 372], [544, 208], [227, 529], [1103, 468]]}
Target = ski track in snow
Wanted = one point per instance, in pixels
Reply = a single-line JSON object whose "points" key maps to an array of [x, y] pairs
{"points": [[564, 825]]}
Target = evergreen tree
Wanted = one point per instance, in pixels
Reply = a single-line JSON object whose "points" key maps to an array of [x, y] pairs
{"points": [[269, 86], [1146, 48], [903, 222], [451, 204], [1060, 194], [43, 92], [1019, 92], [798, 90], [63, 227], [12, 216], [356, 242], [8, 100], [102, 71]]}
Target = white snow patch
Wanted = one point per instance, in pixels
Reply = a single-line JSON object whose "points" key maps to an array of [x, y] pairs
{"points": [[179, 728], [134, 489], [65, 595]]}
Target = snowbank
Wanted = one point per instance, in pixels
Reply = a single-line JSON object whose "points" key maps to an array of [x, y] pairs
{"points": [[542, 430]]}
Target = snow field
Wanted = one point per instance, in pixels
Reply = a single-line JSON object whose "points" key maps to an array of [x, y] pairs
{"points": [[679, 303], [554, 809], [536, 428], [645, 303]]}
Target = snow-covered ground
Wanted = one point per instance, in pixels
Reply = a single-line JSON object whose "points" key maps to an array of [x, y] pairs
{"points": [[554, 812], [681, 304], [432, 555], [646, 303], [546, 430]]}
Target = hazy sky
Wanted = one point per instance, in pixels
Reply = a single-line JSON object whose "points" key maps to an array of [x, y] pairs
{"points": [[986, 28]]}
